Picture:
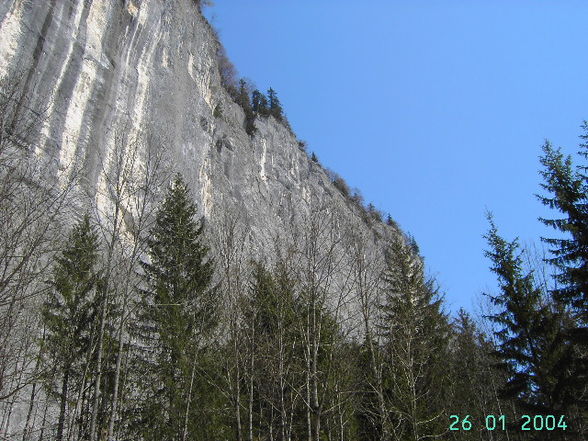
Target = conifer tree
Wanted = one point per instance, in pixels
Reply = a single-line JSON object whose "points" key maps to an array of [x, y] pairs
{"points": [[275, 107], [529, 348], [567, 187], [415, 334], [474, 381], [69, 316], [244, 101], [177, 316], [275, 358], [569, 195], [259, 103]]}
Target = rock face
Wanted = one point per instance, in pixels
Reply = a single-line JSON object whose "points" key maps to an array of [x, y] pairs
{"points": [[148, 69], [108, 74]]}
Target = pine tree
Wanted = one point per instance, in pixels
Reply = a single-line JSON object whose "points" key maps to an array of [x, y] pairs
{"points": [[568, 190], [259, 103], [244, 101], [275, 107], [529, 348], [415, 333], [69, 315], [177, 315], [474, 381], [274, 360]]}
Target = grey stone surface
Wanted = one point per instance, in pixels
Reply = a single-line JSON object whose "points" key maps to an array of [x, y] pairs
{"points": [[107, 72], [148, 69]]}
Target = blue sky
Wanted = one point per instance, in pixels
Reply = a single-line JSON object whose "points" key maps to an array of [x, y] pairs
{"points": [[435, 110]]}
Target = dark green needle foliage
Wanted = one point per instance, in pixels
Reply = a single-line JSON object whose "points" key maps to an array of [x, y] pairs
{"points": [[69, 315], [259, 103], [177, 317], [275, 107], [530, 349], [568, 195], [244, 101], [474, 381], [567, 188], [415, 331]]}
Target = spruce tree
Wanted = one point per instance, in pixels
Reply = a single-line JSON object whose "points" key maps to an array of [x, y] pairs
{"points": [[69, 316], [569, 195], [530, 349], [259, 103], [244, 101], [567, 188], [178, 314], [474, 381], [415, 333], [275, 107], [275, 358]]}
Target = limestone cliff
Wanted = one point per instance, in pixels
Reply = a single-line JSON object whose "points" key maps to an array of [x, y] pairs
{"points": [[106, 79], [149, 68]]}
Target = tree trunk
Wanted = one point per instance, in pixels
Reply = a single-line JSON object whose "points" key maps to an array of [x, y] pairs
{"points": [[251, 380], [62, 405], [119, 356], [187, 414], [98, 380], [42, 431], [238, 397], [27, 426]]}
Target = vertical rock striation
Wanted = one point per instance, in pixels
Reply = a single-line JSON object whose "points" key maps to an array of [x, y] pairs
{"points": [[111, 71]]}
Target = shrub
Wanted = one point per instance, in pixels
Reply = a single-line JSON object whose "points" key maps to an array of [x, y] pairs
{"points": [[218, 111], [227, 71], [374, 213]]}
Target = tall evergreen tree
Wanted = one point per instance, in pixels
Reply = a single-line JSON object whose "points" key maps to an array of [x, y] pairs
{"points": [[415, 332], [474, 381], [69, 316], [569, 195], [259, 103], [528, 332], [269, 316], [177, 315], [275, 107], [567, 187]]}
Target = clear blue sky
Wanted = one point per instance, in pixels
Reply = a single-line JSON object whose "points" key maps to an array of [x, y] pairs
{"points": [[435, 110]]}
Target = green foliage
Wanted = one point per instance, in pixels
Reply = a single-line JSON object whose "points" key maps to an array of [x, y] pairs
{"points": [[259, 103], [218, 111], [374, 213], [474, 381], [391, 222], [275, 107], [568, 189], [178, 314], [72, 301], [245, 102], [70, 316], [415, 333], [529, 344]]}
